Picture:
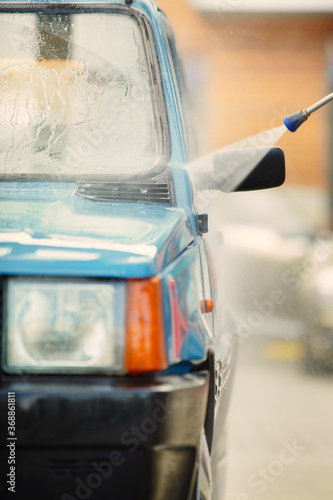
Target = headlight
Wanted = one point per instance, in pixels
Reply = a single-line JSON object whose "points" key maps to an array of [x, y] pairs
{"points": [[64, 327]]}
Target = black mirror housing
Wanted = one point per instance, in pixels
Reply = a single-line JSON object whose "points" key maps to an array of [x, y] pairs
{"points": [[244, 169], [269, 173]]}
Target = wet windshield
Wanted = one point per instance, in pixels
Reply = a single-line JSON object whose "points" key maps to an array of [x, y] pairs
{"points": [[75, 95]]}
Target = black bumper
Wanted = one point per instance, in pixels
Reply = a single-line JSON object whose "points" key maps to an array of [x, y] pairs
{"points": [[119, 439]]}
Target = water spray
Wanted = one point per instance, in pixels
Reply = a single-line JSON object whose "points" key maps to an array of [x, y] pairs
{"points": [[295, 120], [250, 164]]}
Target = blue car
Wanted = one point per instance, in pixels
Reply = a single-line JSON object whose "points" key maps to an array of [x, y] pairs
{"points": [[116, 363]]}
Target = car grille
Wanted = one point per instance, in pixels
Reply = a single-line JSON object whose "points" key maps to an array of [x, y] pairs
{"points": [[125, 192]]}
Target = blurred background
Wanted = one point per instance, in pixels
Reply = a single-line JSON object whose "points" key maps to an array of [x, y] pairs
{"points": [[247, 64]]}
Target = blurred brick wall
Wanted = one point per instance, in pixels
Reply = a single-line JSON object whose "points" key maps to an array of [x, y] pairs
{"points": [[255, 69]]}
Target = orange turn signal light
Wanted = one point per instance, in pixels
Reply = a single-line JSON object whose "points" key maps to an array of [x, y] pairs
{"points": [[145, 335], [207, 306]]}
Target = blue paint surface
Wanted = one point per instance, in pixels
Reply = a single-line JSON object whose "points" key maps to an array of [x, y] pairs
{"points": [[74, 236]]}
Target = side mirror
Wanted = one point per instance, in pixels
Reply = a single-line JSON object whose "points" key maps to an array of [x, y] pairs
{"points": [[270, 172], [232, 170]]}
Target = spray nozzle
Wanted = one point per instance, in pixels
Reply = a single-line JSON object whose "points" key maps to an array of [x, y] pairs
{"points": [[294, 121]]}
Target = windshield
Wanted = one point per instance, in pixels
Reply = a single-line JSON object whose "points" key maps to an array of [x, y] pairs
{"points": [[75, 95]]}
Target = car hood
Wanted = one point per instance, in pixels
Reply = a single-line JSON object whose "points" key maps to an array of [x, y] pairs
{"points": [[74, 236]]}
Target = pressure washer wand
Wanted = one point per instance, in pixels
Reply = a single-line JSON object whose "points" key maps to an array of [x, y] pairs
{"points": [[295, 120]]}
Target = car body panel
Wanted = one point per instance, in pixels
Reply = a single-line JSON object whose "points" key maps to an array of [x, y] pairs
{"points": [[79, 237], [181, 282]]}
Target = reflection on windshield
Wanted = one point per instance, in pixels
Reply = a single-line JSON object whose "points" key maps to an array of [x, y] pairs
{"points": [[75, 95]]}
